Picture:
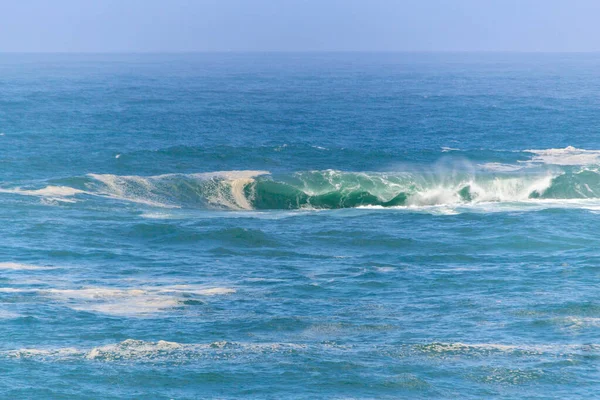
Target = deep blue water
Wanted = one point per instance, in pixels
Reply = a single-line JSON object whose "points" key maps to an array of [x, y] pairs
{"points": [[299, 226]]}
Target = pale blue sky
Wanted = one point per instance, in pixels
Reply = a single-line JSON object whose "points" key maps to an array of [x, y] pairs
{"points": [[298, 25]]}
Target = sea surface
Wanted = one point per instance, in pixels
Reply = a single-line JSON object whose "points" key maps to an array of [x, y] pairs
{"points": [[300, 226]]}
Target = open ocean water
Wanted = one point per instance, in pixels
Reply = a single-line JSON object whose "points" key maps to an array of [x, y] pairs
{"points": [[300, 226]]}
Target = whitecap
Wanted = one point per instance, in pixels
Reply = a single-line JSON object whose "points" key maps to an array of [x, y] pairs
{"points": [[567, 156]]}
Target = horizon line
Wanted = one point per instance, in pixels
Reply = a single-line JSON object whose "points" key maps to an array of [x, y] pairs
{"points": [[182, 52]]}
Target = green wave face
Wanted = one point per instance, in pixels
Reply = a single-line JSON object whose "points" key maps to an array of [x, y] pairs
{"points": [[327, 190], [334, 189]]}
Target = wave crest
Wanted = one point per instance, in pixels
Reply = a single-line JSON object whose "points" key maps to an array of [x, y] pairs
{"points": [[330, 189], [464, 185]]}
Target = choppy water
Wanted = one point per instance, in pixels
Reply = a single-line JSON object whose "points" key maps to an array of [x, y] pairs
{"points": [[299, 226]]}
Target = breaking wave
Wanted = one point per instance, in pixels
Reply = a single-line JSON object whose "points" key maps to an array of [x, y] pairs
{"points": [[330, 189], [553, 174]]}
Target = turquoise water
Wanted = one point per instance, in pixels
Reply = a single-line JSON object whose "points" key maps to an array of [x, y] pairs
{"points": [[299, 226]]}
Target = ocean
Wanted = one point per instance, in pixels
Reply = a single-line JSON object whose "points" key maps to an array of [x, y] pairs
{"points": [[299, 225]]}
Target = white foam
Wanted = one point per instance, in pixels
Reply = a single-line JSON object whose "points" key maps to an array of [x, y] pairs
{"points": [[521, 205], [140, 350], [133, 349], [55, 193], [124, 301], [495, 190], [458, 347], [215, 291], [21, 267], [567, 156], [113, 301], [157, 216], [17, 290], [136, 301], [5, 314], [579, 322]]}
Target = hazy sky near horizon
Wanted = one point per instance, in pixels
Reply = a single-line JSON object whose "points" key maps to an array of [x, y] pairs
{"points": [[298, 25]]}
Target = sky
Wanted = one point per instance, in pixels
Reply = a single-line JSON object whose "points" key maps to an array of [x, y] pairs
{"points": [[298, 25]]}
